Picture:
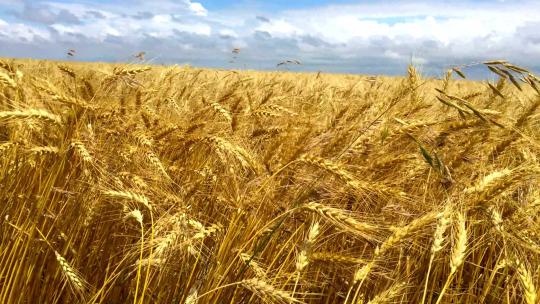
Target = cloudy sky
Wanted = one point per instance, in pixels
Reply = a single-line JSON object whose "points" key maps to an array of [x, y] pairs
{"points": [[375, 37]]}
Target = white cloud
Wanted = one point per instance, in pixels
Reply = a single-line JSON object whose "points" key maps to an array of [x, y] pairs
{"points": [[197, 9], [280, 28], [437, 21], [132, 29], [19, 32], [340, 36], [392, 55], [97, 30]]}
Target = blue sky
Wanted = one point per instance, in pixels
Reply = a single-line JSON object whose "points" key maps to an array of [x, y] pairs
{"points": [[373, 37]]}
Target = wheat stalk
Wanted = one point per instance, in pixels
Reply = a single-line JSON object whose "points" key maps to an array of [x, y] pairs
{"points": [[7, 81], [527, 283], [387, 295], [6, 146], [265, 290], [130, 196], [221, 110], [130, 72], [44, 150], [400, 233], [31, 113], [245, 158], [344, 175], [69, 71], [72, 276], [443, 222], [335, 258], [458, 252], [82, 151], [341, 219], [254, 265], [192, 297], [460, 246], [302, 259], [135, 214]]}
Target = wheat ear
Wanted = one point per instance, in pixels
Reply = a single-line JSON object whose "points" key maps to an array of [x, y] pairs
{"points": [[527, 282], [265, 290], [458, 252], [128, 195], [438, 239], [31, 113], [341, 219], [74, 279]]}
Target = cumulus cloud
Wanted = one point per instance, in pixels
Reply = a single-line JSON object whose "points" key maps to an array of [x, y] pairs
{"points": [[42, 13], [21, 33], [366, 37]]}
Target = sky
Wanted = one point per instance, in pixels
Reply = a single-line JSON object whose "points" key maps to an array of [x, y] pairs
{"points": [[344, 36]]}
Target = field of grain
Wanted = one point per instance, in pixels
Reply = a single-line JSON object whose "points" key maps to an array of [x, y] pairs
{"points": [[151, 184]]}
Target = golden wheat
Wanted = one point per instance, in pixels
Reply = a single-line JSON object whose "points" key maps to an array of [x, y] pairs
{"points": [[188, 185]]}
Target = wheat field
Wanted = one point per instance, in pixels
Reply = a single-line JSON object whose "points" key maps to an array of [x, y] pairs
{"points": [[173, 184]]}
